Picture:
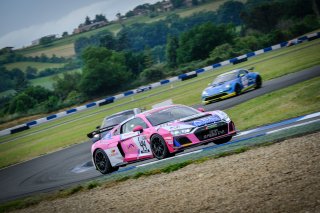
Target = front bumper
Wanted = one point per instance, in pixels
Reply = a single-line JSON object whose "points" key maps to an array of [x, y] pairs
{"points": [[217, 97], [204, 135]]}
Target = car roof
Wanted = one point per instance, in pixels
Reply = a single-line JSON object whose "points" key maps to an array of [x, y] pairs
{"points": [[161, 108], [230, 72]]}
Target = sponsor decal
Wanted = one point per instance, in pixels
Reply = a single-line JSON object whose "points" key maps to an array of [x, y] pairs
{"points": [[144, 146], [206, 120], [113, 152], [213, 133], [131, 146]]}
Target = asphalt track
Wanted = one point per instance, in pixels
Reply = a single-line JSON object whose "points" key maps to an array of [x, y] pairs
{"points": [[73, 165]]}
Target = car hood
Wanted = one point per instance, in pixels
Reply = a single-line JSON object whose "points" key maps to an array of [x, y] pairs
{"points": [[193, 121], [218, 88]]}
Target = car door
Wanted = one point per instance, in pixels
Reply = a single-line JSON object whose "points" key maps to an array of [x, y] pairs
{"points": [[134, 144], [244, 78]]}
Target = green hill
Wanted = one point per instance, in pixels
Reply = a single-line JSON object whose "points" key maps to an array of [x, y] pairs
{"points": [[64, 47]]}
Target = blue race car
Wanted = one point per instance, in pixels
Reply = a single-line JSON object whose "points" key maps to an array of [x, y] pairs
{"points": [[231, 84]]}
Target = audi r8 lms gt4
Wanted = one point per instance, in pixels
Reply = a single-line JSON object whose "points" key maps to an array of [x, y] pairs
{"points": [[111, 121], [231, 84], [159, 133]]}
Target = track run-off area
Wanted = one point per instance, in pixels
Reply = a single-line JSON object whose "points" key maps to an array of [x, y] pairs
{"points": [[73, 165]]}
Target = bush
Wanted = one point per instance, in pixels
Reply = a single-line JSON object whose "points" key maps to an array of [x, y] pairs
{"points": [[154, 73]]}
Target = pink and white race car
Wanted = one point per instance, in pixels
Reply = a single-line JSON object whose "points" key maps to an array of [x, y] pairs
{"points": [[159, 133]]}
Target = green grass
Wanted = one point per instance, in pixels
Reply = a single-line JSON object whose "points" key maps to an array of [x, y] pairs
{"points": [[38, 65], [47, 82], [64, 46], [186, 92]]}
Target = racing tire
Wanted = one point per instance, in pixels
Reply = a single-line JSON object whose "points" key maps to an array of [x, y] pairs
{"points": [[258, 82], [223, 140], [237, 89], [102, 162], [159, 147]]}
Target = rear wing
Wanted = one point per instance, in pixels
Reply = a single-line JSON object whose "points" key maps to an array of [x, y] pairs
{"points": [[98, 132]]}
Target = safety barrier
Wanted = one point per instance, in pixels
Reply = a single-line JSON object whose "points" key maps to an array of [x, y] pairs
{"points": [[181, 77]]}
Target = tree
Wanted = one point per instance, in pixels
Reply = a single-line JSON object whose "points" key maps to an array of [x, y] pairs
{"points": [[171, 51], [67, 83], [21, 103], [148, 58], [6, 79], [20, 81], [177, 3], [152, 74], [99, 17], [104, 71], [31, 72], [47, 40], [65, 34], [198, 42], [87, 21], [108, 41], [264, 17], [230, 12]]}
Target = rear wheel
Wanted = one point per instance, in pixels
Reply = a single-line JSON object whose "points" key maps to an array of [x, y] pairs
{"points": [[159, 147], [223, 140], [102, 162], [237, 89], [258, 82]]}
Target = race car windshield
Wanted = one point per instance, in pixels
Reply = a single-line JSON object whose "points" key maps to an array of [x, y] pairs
{"points": [[224, 78], [116, 119], [170, 114]]}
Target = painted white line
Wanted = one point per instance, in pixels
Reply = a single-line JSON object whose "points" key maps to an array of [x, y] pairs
{"points": [[178, 156], [313, 115], [289, 127]]}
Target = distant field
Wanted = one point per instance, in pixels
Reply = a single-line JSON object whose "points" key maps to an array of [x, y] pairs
{"points": [[38, 65], [66, 51], [303, 98], [65, 46], [47, 82]]}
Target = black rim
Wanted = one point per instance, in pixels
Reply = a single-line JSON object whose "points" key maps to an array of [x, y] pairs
{"points": [[237, 90], [258, 82], [158, 147], [101, 161]]}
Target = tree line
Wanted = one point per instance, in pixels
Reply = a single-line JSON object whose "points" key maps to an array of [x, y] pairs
{"points": [[143, 53]]}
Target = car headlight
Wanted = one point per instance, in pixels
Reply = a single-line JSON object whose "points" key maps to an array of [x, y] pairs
{"points": [[205, 93], [177, 132], [227, 87], [224, 116]]}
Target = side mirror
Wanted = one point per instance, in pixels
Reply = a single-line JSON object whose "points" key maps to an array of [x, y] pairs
{"points": [[251, 68], [200, 109], [138, 129], [98, 127]]}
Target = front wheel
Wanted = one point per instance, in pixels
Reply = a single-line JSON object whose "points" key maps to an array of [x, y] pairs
{"points": [[102, 162], [258, 82], [223, 140], [159, 147]]}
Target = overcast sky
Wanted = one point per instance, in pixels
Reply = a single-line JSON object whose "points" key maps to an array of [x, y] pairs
{"points": [[22, 21]]}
